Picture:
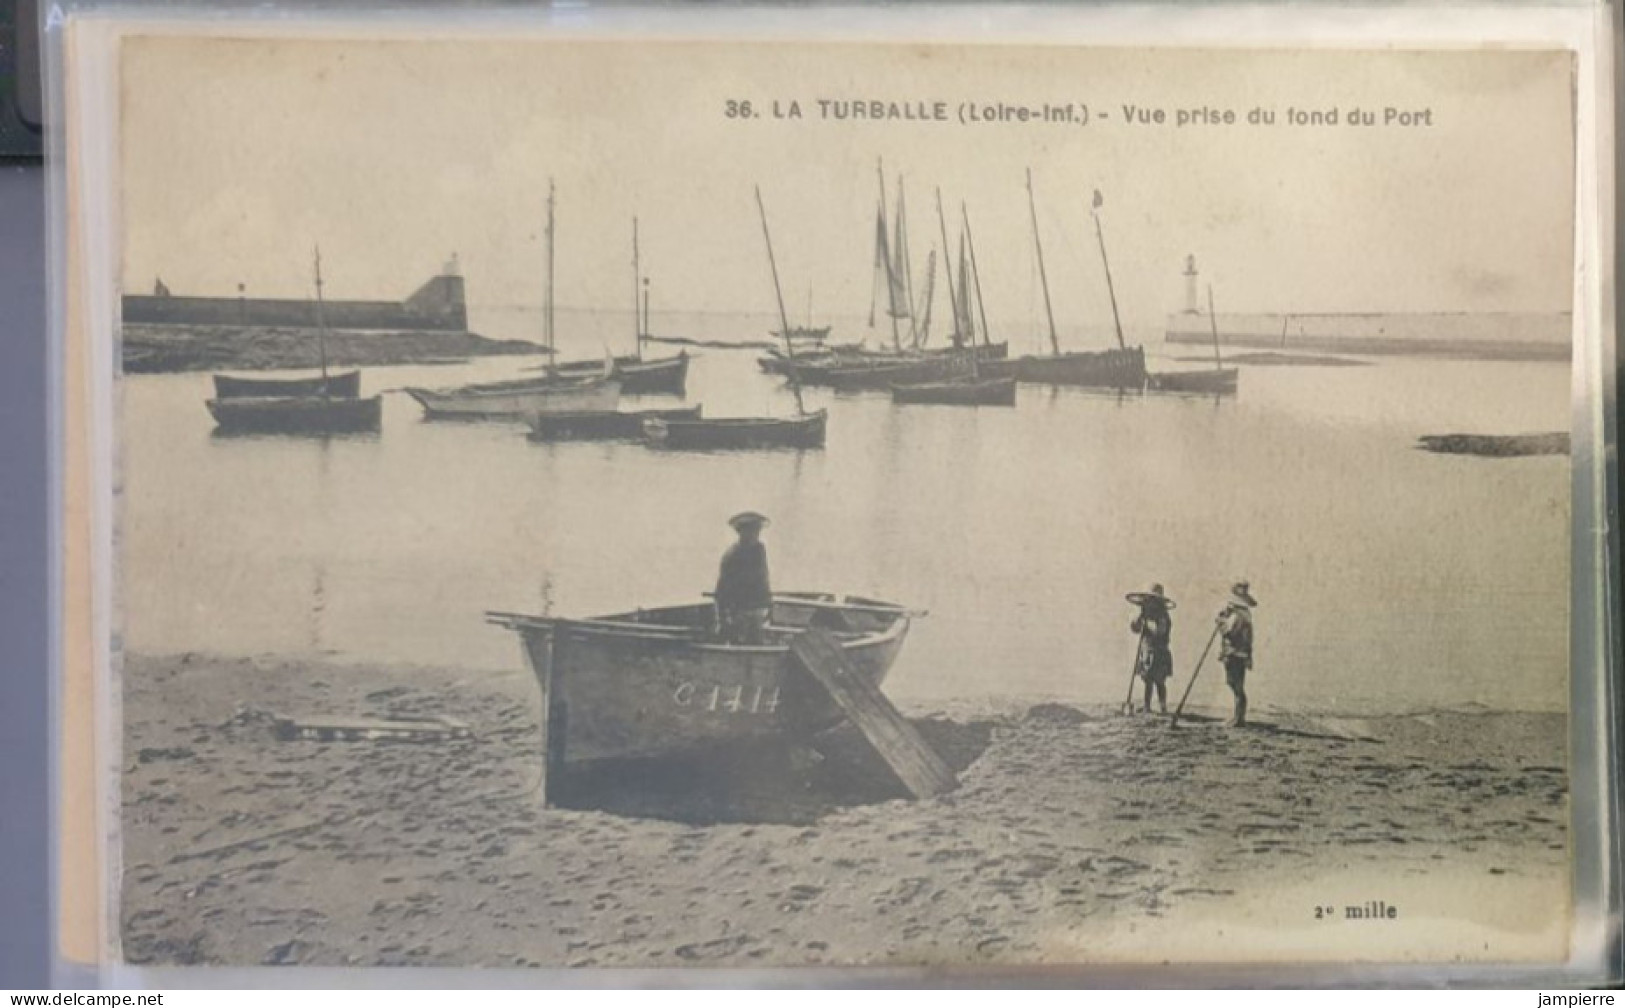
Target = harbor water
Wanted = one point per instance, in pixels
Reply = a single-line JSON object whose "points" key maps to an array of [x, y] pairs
{"points": [[1389, 578]]}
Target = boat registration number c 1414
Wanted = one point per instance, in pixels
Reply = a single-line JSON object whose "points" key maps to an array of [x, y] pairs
{"points": [[737, 699]]}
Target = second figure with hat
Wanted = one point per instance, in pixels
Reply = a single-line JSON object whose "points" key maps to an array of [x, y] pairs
{"points": [[1236, 645], [744, 596], [1155, 663]]}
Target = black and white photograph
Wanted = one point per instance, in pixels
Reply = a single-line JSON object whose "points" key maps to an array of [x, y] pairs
{"points": [[625, 502]]}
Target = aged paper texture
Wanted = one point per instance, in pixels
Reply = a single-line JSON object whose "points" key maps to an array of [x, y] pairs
{"points": [[656, 503]]}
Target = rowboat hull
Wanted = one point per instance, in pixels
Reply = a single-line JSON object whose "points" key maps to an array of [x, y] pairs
{"points": [[619, 425], [654, 683], [666, 376], [1102, 369], [989, 392], [495, 402], [1217, 381], [738, 433], [296, 414], [345, 385]]}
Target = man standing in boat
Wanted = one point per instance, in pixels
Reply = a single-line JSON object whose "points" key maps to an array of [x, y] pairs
{"points": [[744, 596], [1155, 662], [1236, 645]]}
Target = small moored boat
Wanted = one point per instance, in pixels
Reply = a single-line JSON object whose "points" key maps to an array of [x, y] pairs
{"points": [[655, 682], [733, 433], [513, 401], [617, 425], [296, 414], [1216, 381], [344, 385]]}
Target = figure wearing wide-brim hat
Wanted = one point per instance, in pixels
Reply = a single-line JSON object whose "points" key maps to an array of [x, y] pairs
{"points": [[744, 595], [1155, 663], [747, 519], [1236, 645]]}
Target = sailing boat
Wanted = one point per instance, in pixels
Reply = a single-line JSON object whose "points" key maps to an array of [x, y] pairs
{"points": [[1120, 368], [1219, 381], [973, 388], [597, 392], [804, 430], [638, 375], [327, 404]]}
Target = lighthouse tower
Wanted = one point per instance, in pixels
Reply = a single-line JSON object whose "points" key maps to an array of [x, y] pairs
{"points": [[1190, 286]]}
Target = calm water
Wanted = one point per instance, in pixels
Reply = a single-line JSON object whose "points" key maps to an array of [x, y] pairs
{"points": [[1389, 578]]}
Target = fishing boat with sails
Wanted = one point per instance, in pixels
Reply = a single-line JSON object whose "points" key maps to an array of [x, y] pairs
{"points": [[970, 386], [658, 683], [908, 358], [323, 404], [1120, 368], [804, 430], [594, 392], [637, 374]]}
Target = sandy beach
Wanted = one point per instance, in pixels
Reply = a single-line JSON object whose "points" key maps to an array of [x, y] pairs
{"points": [[1077, 834]]}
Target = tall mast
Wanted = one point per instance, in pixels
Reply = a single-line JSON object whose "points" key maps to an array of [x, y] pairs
{"points": [[976, 274], [900, 251], [548, 306], [923, 333], [1043, 278], [891, 286], [948, 271], [637, 284], [321, 322], [1094, 211], [778, 292], [1213, 321]]}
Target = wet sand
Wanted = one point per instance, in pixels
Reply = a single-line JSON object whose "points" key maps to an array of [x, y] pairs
{"points": [[1077, 834]]}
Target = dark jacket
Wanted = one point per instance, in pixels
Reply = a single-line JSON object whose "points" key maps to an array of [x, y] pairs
{"points": [[742, 583]]}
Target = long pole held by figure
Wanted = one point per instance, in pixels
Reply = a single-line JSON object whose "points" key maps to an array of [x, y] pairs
{"points": [[1134, 672], [1174, 723]]}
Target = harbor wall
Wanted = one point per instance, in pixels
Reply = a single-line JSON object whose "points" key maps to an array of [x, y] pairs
{"points": [[1493, 336], [438, 305]]}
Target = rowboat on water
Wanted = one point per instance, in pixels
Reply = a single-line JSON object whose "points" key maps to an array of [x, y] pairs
{"points": [[1217, 381], [296, 414], [656, 682], [343, 385], [736, 433], [958, 392], [517, 400], [617, 425]]}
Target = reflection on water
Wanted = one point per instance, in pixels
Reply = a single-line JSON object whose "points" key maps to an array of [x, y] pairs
{"points": [[1389, 578]]}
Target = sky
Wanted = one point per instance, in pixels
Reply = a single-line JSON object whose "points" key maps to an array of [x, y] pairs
{"points": [[241, 154]]}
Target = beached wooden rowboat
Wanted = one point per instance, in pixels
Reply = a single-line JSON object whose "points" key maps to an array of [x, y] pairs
{"points": [[621, 424], [296, 414], [344, 385], [514, 401], [967, 392], [1215, 381], [736, 433], [655, 682]]}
